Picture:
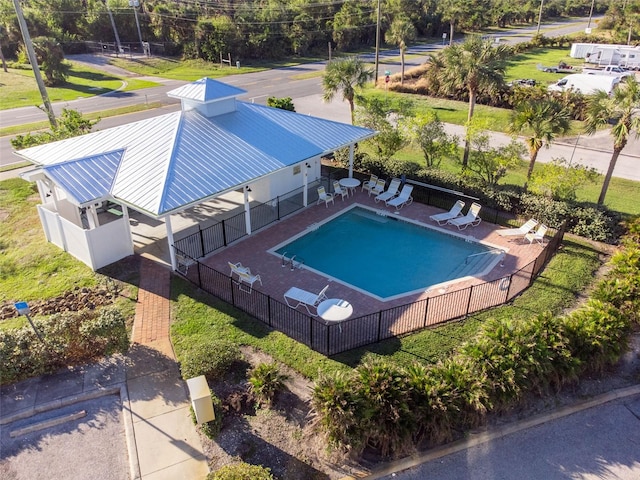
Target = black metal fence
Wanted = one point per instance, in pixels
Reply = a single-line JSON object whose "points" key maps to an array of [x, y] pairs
{"points": [[330, 339]]}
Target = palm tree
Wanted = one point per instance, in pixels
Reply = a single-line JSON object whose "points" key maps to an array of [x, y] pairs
{"points": [[401, 31], [622, 110], [475, 65], [345, 75], [542, 121]]}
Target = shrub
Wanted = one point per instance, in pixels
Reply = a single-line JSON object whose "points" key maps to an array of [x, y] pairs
{"points": [[266, 380], [211, 359], [241, 471], [69, 338]]}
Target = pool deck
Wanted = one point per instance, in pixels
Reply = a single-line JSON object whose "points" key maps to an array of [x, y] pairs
{"points": [[252, 252]]}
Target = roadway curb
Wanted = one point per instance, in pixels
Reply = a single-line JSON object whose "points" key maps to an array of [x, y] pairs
{"points": [[129, 434], [55, 404], [478, 437]]}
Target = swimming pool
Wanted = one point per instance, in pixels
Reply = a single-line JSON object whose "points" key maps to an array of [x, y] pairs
{"points": [[385, 256]]}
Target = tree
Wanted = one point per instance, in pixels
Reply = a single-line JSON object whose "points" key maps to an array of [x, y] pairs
{"points": [[51, 59], [560, 180], [622, 110], [345, 75], [542, 120], [285, 103], [71, 123], [490, 164], [476, 66], [427, 133], [384, 117], [401, 32]]}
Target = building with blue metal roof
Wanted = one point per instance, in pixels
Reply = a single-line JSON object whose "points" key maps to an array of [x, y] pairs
{"points": [[163, 165]]}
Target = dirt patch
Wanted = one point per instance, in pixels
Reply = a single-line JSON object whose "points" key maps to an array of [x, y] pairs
{"points": [[282, 437]]}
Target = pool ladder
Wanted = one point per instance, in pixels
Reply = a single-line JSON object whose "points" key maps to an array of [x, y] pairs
{"points": [[499, 251], [291, 262]]}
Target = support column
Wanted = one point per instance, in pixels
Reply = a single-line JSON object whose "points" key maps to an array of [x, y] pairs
{"points": [[305, 186], [172, 253], [351, 149], [247, 210]]}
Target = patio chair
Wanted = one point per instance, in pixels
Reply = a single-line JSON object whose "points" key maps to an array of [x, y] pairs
{"points": [[378, 188], [471, 218], [298, 297], [403, 199], [538, 236], [338, 190], [244, 277], [323, 196], [369, 184], [390, 192], [455, 212], [527, 227]]}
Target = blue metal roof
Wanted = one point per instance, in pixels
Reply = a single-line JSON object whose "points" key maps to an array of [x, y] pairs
{"points": [[167, 163], [89, 178], [205, 90]]}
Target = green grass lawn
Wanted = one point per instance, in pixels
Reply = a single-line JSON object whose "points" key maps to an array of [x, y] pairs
{"points": [[82, 82]]}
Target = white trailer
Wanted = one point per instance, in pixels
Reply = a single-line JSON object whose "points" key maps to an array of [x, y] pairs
{"points": [[585, 84]]}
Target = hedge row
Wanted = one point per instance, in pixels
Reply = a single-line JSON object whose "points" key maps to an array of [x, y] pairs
{"points": [[390, 408], [67, 339], [584, 219]]}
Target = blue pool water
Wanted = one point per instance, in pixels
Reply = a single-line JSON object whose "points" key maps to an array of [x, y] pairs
{"points": [[381, 255]]}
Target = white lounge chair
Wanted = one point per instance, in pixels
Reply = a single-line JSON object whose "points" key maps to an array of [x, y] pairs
{"points": [[323, 196], [338, 190], [369, 184], [527, 227], [455, 212], [538, 236], [471, 218], [298, 297], [390, 192], [403, 199], [378, 188], [244, 277]]}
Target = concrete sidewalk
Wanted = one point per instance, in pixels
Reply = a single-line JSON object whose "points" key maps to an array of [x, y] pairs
{"points": [[161, 440]]}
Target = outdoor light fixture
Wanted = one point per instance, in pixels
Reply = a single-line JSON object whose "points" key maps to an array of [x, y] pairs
{"points": [[308, 166], [247, 188]]}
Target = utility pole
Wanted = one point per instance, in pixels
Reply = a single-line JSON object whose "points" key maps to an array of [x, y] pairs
{"points": [[539, 17], [375, 79], [590, 13], [135, 4], [34, 65], [115, 30]]}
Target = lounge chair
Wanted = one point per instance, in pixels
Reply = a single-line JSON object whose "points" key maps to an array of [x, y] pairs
{"points": [[455, 212], [390, 192], [378, 188], [538, 236], [323, 196], [338, 190], [471, 218], [298, 297], [403, 199], [522, 230], [369, 184], [244, 277]]}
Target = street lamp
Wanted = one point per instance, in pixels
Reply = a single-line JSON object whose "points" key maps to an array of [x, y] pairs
{"points": [[135, 4]]}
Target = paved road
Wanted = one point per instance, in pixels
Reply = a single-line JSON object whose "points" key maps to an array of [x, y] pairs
{"points": [[598, 443], [303, 84]]}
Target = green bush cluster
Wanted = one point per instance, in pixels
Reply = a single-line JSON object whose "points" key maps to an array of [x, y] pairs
{"points": [[68, 338], [265, 381], [241, 471], [211, 359], [392, 407]]}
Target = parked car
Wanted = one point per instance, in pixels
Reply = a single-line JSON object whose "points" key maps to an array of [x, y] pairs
{"points": [[610, 70]]}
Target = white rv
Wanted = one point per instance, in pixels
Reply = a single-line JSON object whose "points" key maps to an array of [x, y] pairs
{"points": [[585, 84]]}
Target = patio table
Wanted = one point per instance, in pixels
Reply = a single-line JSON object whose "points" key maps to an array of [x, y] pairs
{"points": [[334, 310], [349, 183]]}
